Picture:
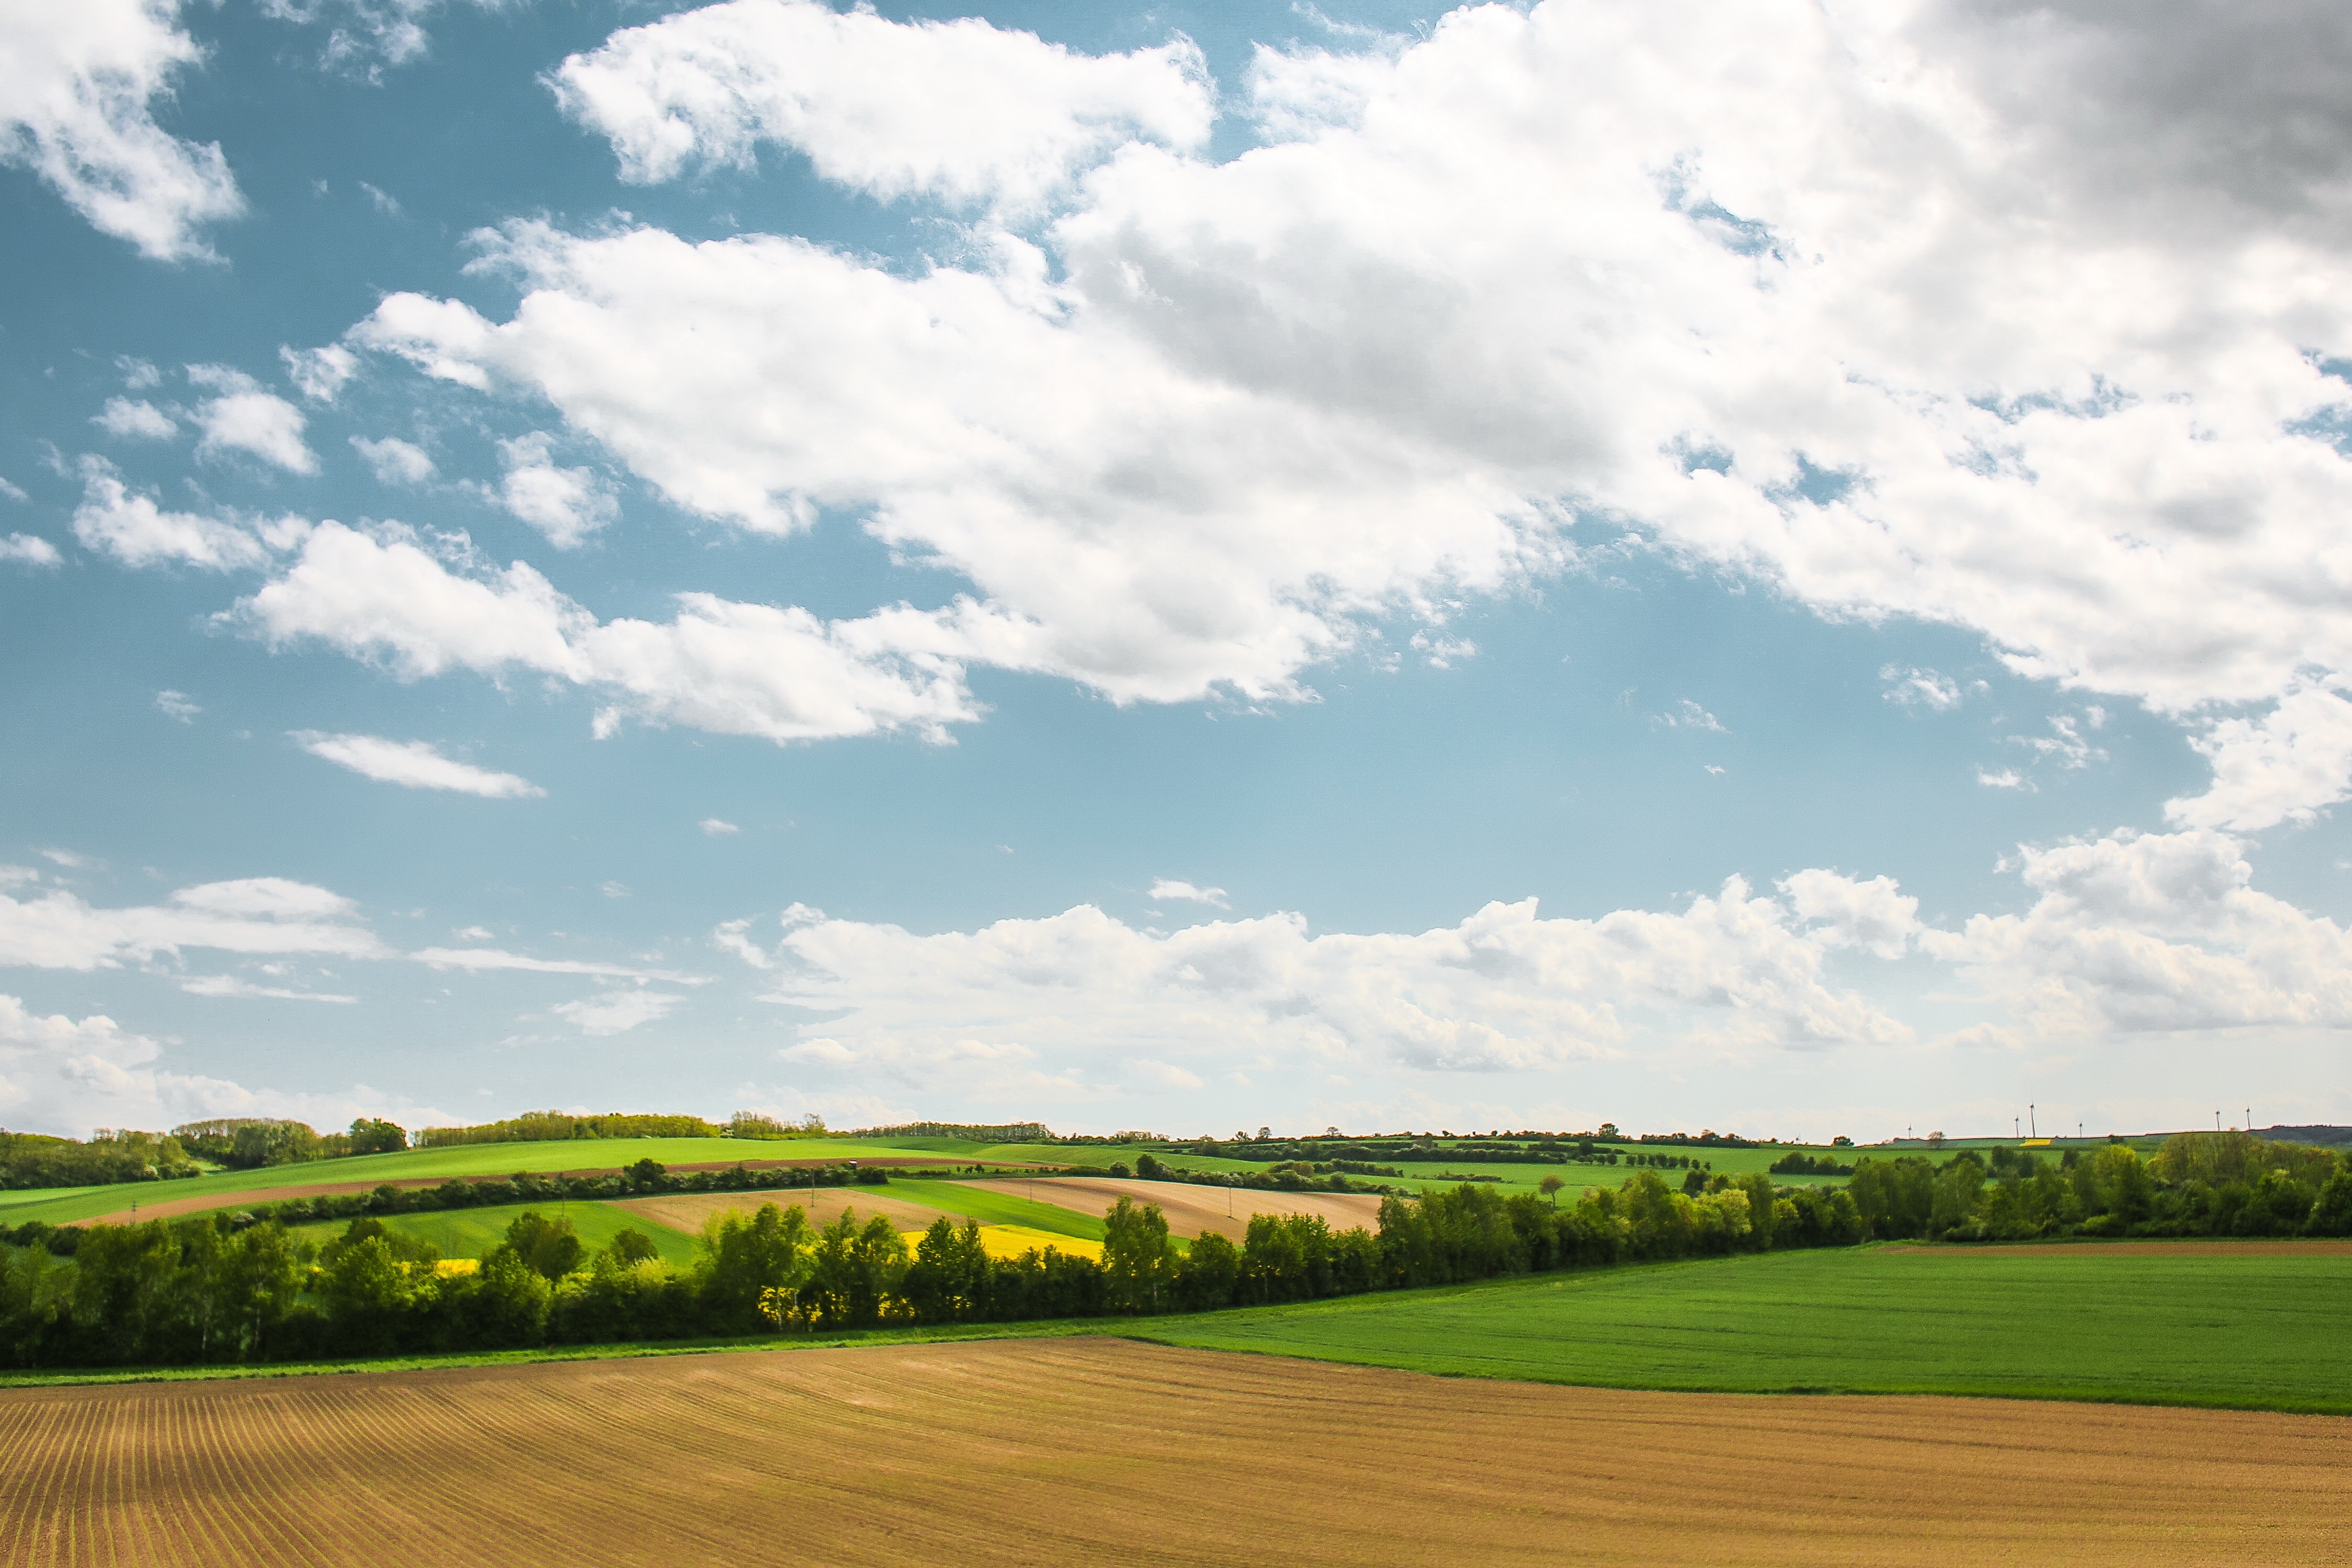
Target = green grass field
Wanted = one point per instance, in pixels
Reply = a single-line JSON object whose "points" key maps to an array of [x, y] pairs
{"points": [[996, 1208], [471, 1232], [2260, 1333]]}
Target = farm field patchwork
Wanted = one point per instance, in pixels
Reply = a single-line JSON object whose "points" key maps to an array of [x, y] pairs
{"points": [[1106, 1451], [359, 1172], [909, 1205], [1191, 1209], [2258, 1328]]}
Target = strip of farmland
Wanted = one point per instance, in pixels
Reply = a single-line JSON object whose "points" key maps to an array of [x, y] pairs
{"points": [[1193, 1209], [1105, 1451]]}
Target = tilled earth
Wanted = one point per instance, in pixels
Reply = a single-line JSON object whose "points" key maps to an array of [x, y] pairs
{"points": [[1094, 1450]]}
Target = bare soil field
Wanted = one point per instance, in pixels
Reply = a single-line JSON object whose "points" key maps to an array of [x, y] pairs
{"points": [[687, 1211], [1192, 1209], [2314, 1247], [1101, 1451]]}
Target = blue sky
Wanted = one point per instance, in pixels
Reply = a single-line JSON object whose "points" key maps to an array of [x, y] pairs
{"points": [[1683, 565]]}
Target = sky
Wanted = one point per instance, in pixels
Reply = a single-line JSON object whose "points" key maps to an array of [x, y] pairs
{"points": [[1778, 568]]}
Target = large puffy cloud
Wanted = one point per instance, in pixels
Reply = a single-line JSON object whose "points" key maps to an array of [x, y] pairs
{"points": [[79, 86], [721, 665], [67, 1076], [54, 928], [2017, 319], [1081, 997], [959, 109], [2280, 767], [2156, 932]]}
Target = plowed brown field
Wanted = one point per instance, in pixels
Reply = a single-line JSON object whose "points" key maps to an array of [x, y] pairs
{"points": [[1192, 1209], [1093, 1452]]}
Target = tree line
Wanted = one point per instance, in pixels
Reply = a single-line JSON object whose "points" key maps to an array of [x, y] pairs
{"points": [[210, 1290], [2198, 1184]]}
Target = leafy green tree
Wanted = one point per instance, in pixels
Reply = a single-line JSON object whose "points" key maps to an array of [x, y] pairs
{"points": [[854, 1271], [259, 1143], [505, 1304], [370, 1136], [1549, 1187], [1210, 1273], [745, 1255], [1138, 1259], [630, 1248], [551, 1247], [948, 1281], [2331, 1214], [259, 1279]]}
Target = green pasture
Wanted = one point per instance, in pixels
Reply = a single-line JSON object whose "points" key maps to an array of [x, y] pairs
{"points": [[2251, 1332], [471, 1232], [14, 1198]]}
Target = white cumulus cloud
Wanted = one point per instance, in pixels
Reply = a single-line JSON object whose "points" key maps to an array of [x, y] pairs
{"points": [[2014, 321], [2137, 933], [618, 1012], [961, 109], [721, 665], [395, 461], [79, 86], [320, 374], [416, 765], [1165, 890], [53, 928], [567, 505], [137, 531], [136, 419], [244, 418], [28, 549], [1504, 991]]}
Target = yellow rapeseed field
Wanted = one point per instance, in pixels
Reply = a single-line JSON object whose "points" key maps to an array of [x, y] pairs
{"points": [[1011, 1241]]}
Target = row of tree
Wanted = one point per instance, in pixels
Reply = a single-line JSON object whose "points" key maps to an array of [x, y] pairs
{"points": [[38, 1160], [2198, 1184], [545, 1126], [208, 1290]]}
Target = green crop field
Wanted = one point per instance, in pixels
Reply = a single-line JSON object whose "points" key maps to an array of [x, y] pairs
{"points": [[471, 1232], [996, 1208], [2255, 1332]]}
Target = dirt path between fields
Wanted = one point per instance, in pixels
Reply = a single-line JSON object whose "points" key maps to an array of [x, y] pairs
{"points": [[1101, 1451], [1193, 1209]]}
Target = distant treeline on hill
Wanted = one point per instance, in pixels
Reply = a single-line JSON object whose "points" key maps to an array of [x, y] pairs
{"points": [[970, 1132], [1529, 1149], [561, 1126], [36, 1160], [557, 1126], [32, 1160]]}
